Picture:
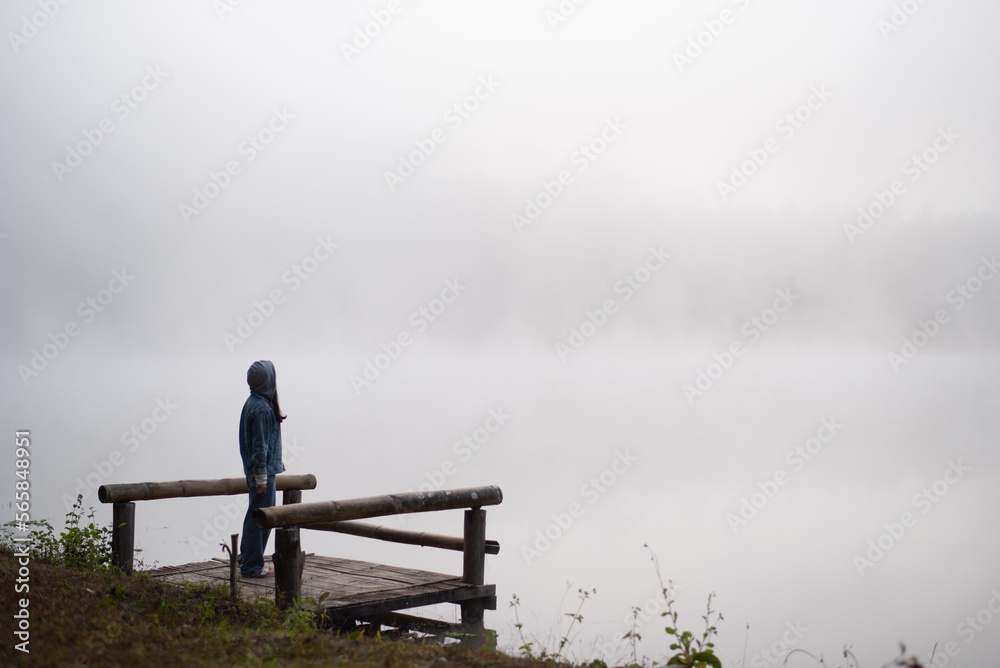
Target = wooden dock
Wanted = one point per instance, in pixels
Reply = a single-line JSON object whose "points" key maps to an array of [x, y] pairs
{"points": [[346, 591], [354, 589]]}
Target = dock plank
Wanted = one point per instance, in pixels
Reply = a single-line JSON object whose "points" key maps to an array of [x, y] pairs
{"points": [[354, 588]]}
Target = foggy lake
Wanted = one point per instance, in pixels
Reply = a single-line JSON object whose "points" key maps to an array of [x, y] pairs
{"points": [[733, 302]]}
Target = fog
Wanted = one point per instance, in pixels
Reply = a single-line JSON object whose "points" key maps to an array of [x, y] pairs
{"points": [[720, 273]]}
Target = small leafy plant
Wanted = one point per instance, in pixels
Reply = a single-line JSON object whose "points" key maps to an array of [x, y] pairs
{"points": [[79, 545], [527, 647], [575, 617], [633, 635], [689, 650]]}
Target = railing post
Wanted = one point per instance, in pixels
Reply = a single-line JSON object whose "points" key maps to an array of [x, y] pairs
{"points": [[288, 558], [233, 592], [123, 535], [288, 562], [474, 570]]}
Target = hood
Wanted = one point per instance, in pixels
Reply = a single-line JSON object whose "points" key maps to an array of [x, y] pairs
{"points": [[260, 378]]}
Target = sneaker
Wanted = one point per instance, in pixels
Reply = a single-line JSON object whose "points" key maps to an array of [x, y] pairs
{"points": [[261, 574]]}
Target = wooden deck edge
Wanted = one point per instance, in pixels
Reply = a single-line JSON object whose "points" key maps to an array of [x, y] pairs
{"points": [[359, 610], [406, 622]]}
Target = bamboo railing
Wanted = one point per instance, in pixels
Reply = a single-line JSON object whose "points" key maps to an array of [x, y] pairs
{"points": [[124, 496]]}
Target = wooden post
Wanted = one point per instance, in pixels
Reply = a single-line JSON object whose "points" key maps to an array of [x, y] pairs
{"points": [[288, 585], [123, 535], [232, 567], [474, 572], [288, 562]]}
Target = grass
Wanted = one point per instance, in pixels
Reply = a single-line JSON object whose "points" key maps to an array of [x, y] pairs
{"points": [[82, 617]]}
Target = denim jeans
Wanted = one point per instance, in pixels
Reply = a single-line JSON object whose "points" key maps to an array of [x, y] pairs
{"points": [[254, 540]]}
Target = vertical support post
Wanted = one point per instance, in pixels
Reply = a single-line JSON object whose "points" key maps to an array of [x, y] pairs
{"points": [[474, 571], [232, 567], [123, 535], [474, 547], [288, 562], [288, 558]]}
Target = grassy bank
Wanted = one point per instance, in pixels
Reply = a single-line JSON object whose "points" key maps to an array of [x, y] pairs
{"points": [[86, 618]]}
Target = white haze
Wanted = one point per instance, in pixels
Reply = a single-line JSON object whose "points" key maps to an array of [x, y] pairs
{"points": [[495, 347]]}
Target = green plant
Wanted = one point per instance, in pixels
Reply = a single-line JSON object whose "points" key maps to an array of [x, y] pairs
{"points": [[634, 636], [689, 649], [298, 618], [526, 645], [87, 546], [575, 617]]}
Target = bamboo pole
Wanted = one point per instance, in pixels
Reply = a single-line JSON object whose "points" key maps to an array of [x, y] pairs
{"points": [[376, 506], [123, 535], [288, 563], [146, 491], [474, 573], [232, 567], [421, 538]]}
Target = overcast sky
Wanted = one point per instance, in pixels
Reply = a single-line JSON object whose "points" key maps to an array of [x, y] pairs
{"points": [[569, 210]]}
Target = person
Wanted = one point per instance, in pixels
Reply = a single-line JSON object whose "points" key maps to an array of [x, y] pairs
{"points": [[260, 448]]}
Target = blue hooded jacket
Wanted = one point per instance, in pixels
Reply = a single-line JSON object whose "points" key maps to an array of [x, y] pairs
{"points": [[260, 430]]}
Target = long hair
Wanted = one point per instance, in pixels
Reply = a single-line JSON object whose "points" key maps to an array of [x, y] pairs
{"points": [[278, 415]]}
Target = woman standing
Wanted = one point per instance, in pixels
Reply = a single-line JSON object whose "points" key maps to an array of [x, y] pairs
{"points": [[260, 448]]}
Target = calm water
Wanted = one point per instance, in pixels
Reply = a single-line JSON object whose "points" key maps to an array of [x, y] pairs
{"points": [[596, 458]]}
